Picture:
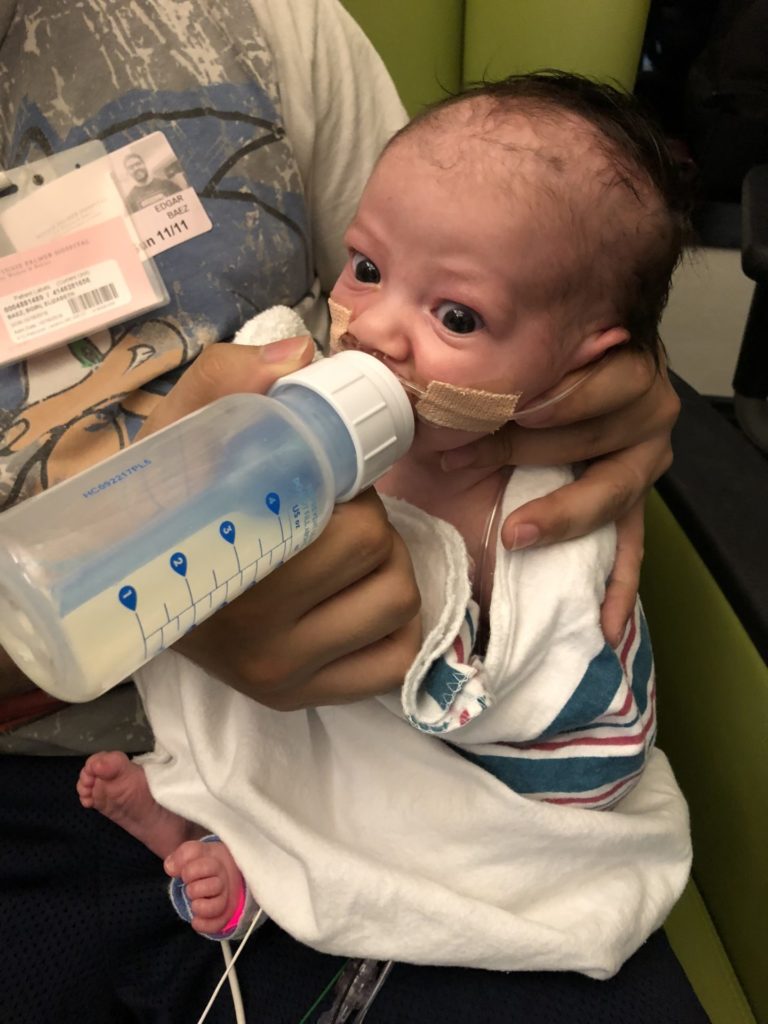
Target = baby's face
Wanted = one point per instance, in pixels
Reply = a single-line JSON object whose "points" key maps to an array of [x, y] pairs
{"points": [[442, 272]]}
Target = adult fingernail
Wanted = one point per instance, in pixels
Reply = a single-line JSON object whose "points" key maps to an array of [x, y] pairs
{"points": [[286, 350], [524, 536]]}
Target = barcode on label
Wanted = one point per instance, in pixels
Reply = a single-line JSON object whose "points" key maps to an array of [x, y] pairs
{"points": [[95, 297]]}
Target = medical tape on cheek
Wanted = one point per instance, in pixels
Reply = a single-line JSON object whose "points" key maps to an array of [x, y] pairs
{"points": [[446, 405], [485, 410], [442, 404], [340, 317]]}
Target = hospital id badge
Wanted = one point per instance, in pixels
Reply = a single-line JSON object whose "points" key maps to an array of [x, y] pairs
{"points": [[71, 261], [164, 208]]}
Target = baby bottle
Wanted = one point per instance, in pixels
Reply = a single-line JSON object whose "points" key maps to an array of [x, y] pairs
{"points": [[105, 570]]}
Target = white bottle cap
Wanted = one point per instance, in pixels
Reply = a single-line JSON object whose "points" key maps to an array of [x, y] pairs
{"points": [[371, 403]]}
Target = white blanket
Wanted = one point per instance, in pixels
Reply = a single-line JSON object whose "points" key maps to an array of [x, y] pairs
{"points": [[361, 836]]}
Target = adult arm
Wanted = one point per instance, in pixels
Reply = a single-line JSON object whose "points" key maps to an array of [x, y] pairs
{"points": [[619, 421], [336, 623]]}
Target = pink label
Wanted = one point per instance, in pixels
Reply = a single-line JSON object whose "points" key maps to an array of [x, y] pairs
{"points": [[69, 287]]}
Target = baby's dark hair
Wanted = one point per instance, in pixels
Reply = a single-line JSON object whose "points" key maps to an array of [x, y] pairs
{"points": [[639, 158]]}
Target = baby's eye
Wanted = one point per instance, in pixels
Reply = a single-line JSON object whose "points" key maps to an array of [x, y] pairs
{"points": [[459, 319], [364, 269]]}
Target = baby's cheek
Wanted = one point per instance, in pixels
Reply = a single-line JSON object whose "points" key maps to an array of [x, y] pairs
{"points": [[463, 363], [433, 361]]}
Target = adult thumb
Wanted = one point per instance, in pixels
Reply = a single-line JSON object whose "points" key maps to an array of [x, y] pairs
{"points": [[226, 369]]}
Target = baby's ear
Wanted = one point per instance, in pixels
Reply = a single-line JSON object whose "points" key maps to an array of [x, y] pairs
{"points": [[597, 344]]}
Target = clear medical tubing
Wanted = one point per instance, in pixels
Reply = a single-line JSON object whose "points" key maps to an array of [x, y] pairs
{"points": [[105, 570]]}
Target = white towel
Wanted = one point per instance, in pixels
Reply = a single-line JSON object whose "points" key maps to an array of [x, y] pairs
{"points": [[362, 836]]}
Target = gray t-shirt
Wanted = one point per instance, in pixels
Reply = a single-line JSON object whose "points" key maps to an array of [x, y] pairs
{"points": [[205, 76]]}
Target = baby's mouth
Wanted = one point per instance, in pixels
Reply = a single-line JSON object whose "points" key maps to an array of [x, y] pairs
{"points": [[348, 341], [439, 403]]}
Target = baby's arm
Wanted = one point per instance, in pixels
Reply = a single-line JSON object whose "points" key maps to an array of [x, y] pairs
{"points": [[594, 749], [552, 710]]}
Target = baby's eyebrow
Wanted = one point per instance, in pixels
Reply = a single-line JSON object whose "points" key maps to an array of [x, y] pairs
{"points": [[358, 223], [359, 239]]}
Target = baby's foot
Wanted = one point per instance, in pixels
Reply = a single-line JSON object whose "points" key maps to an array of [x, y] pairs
{"points": [[212, 881], [118, 788]]}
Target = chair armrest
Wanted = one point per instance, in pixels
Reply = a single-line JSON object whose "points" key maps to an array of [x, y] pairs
{"points": [[717, 489]]}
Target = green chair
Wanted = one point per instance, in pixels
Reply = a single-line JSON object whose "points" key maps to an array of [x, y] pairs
{"points": [[433, 46], [713, 680], [705, 589]]}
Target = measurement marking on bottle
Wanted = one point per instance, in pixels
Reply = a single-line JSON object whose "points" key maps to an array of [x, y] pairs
{"points": [[143, 637], [237, 581]]}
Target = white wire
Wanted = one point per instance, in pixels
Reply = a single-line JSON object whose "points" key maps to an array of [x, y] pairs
{"points": [[560, 395], [420, 391], [234, 984], [230, 961]]}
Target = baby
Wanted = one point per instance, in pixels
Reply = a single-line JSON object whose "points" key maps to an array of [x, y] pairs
{"points": [[506, 240]]}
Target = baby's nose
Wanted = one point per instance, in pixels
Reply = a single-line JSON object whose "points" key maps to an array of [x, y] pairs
{"points": [[378, 330]]}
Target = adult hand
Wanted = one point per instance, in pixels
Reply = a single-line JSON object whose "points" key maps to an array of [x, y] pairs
{"points": [[619, 419], [336, 623]]}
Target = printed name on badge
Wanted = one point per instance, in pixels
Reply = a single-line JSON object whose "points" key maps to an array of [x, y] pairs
{"points": [[164, 208]]}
